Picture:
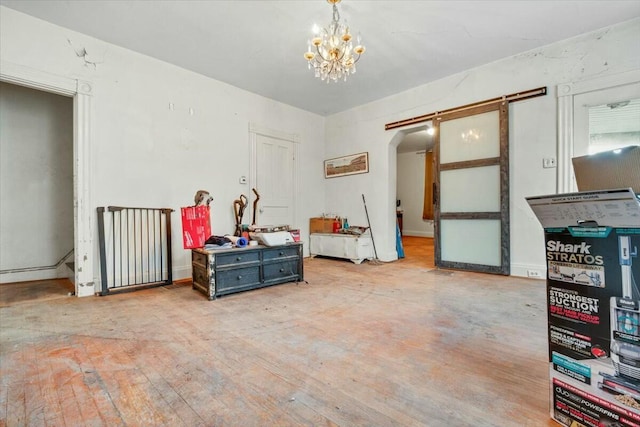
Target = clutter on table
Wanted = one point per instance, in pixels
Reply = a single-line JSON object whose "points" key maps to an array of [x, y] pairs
{"points": [[196, 226], [334, 224]]}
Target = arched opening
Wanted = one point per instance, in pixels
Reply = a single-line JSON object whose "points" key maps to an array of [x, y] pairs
{"points": [[408, 151]]}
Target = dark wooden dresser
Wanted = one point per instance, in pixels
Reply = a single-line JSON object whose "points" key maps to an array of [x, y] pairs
{"points": [[221, 272]]}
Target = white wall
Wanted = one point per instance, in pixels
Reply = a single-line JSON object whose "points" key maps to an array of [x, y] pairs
{"points": [[410, 191], [533, 133], [145, 154], [36, 182]]}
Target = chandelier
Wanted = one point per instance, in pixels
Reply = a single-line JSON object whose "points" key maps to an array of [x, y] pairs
{"points": [[334, 57]]}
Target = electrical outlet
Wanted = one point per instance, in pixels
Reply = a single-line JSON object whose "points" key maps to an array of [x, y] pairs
{"points": [[549, 162], [534, 274]]}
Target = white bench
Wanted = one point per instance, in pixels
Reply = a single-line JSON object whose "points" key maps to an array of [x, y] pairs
{"points": [[337, 245]]}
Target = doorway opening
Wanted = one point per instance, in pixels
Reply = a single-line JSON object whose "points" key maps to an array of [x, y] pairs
{"points": [[414, 224], [36, 218], [81, 92]]}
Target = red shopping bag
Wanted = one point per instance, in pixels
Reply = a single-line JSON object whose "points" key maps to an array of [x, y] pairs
{"points": [[196, 226]]}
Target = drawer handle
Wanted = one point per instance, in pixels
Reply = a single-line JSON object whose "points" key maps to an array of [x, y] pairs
{"points": [[238, 258], [239, 277], [281, 253], [282, 270]]}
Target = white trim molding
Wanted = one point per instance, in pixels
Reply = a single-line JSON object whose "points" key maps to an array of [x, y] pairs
{"points": [[36, 79], [84, 213]]}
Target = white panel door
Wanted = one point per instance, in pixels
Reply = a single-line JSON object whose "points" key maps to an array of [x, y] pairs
{"points": [[274, 181]]}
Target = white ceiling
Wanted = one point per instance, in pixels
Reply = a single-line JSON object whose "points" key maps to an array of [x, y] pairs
{"points": [[259, 45]]}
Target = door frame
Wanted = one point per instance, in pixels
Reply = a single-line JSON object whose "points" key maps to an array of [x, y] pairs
{"points": [[82, 92], [565, 93], [254, 131], [503, 215]]}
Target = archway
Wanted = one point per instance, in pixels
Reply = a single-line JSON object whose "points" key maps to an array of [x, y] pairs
{"points": [[407, 151]]}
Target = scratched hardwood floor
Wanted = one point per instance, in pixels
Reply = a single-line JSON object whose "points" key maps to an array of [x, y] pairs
{"points": [[395, 344]]}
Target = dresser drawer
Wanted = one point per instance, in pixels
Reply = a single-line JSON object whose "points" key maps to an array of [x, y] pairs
{"points": [[202, 282], [280, 270], [200, 275], [236, 258], [281, 252], [237, 278], [199, 257]]}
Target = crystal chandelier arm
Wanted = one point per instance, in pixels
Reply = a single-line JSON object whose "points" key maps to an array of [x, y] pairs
{"points": [[319, 53]]}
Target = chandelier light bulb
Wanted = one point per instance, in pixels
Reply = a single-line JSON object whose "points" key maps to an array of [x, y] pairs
{"points": [[334, 57]]}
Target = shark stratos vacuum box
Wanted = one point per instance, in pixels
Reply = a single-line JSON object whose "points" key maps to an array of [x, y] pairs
{"points": [[593, 306]]}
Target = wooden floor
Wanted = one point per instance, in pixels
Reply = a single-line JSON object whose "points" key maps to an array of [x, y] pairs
{"points": [[395, 344]]}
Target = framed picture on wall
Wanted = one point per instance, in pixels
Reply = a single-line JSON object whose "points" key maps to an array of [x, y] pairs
{"points": [[346, 165]]}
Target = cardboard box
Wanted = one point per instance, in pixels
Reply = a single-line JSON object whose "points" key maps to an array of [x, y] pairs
{"points": [[593, 306], [321, 225], [196, 226], [609, 169]]}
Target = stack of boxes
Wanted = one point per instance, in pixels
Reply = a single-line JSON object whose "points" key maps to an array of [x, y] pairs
{"points": [[324, 224]]}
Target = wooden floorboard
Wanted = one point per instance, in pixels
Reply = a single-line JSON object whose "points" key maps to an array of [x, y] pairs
{"points": [[16, 293], [376, 344]]}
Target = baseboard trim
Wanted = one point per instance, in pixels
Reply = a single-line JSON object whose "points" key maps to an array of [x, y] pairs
{"points": [[182, 273], [412, 233], [27, 276], [523, 270]]}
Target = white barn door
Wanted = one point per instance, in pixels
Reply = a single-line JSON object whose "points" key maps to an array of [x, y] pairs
{"points": [[472, 190]]}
